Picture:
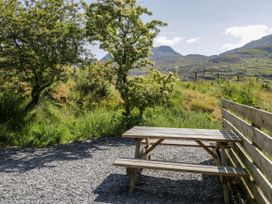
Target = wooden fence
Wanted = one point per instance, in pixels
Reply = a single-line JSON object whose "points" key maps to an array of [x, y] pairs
{"points": [[255, 151], [195, 76]]}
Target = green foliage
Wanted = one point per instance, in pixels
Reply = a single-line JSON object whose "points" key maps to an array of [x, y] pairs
{"points": [[49, 124], [38, 38], [93, 83], [243, 93], [196, 106], [152, 90], [10, 106], [118, 27]]}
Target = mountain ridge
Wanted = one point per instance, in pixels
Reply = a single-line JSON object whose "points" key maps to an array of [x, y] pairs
{"points": [[254, 57]]}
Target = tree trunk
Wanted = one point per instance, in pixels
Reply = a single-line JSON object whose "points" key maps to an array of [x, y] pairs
{"points": [[35, 96], [122, 86], [127, 109]]}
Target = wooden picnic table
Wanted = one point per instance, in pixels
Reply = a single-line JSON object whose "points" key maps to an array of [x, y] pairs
{"points": [[154, 136], [213, 141], [248, 153]]}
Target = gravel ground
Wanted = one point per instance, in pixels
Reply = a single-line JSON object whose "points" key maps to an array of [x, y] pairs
{"points": [[83, 173]]}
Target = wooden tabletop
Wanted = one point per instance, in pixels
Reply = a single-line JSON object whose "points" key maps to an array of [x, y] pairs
{"points": [[141, 132]]}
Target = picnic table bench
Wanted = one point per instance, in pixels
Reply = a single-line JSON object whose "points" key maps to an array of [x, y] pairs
{"points": [[213, 141]]}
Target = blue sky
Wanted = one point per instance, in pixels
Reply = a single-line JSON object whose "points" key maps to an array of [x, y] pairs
{"points": [[208, 26]]}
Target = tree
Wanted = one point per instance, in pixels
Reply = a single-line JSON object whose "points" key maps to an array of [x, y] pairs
{"points": [[118, 27], [38, 39]]}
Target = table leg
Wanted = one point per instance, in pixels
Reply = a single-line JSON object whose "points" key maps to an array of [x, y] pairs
{"points": [[137, 155], [224, 179], [133, 179], [137, 149]]}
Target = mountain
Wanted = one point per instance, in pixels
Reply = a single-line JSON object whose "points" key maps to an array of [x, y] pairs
{"points": [[164, 52], [105, 58], [158, 53], [263, 43], [253, 58], [256, 54], [167, 59]]}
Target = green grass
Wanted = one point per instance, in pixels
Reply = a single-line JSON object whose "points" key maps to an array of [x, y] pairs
{"points": [[176, 117], [196, 105], [49, 124]]}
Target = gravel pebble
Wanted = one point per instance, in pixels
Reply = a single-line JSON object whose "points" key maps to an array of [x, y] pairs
{"points": [[82, 172]]}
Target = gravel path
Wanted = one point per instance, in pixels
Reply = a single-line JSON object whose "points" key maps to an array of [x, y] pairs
{"points": [[83, 173]]}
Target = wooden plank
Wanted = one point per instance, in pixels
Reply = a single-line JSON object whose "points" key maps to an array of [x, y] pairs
{"points": [[261, 139], [224, 179], [207, 149], [256, 173], [151, 147], [182, 167], [256, 116], [185, 143], [142, 132], [175, 130], [249, 186], [257, 155], [249, 196]]}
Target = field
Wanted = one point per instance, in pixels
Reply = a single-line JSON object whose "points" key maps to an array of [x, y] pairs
{"points": [[59, 119]]}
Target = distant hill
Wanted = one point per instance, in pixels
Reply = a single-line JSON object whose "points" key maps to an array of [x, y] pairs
{"points": [[158, 53], [105, 58], [253, 58], [265, 42], [164, 52]]}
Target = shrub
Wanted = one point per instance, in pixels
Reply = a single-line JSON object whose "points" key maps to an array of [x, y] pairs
{"points": [[10, 106], [93, 83], [152, 90], [244, 93]]}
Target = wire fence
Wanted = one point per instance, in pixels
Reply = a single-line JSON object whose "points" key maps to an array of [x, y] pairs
{"points": [[203, 75]]}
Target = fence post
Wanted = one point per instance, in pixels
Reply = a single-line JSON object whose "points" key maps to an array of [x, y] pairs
{"points": [[195, 76], [218, 77]]}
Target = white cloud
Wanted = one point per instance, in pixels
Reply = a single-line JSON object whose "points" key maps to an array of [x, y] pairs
{"points": [[162, 40], [245, 34], [193, 40]]}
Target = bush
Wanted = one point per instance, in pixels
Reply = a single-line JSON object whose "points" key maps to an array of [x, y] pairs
{"points": [[149, 91], [93, 84], [244, 93], [11, 106]]}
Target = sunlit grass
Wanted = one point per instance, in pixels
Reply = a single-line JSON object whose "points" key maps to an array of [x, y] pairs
{"points": [[196, 105]]}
